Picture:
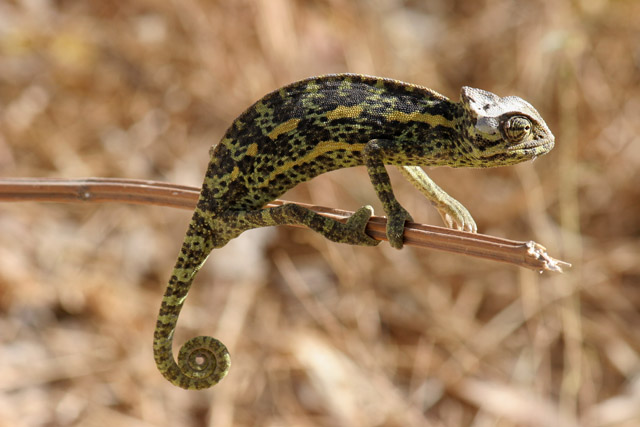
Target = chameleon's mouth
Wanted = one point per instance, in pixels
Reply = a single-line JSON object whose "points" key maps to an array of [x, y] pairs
{"points": [[540, 147], [514, 154]]}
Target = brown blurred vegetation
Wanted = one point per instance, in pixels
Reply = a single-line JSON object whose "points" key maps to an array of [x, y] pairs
{"points": [[320, 333]]}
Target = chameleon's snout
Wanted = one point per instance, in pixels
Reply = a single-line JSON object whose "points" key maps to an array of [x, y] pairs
{"points": [[541, 144]]}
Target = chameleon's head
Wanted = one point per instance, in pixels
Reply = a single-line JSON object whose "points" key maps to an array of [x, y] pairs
{"points": [[502, 131]]}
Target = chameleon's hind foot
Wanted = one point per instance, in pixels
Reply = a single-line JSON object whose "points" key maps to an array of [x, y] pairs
{"points": [[357, 223]]}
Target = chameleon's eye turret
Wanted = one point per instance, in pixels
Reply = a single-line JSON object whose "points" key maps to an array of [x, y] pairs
{"points": [[517, 128]]}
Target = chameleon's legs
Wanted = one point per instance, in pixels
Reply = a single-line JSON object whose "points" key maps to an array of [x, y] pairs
{"points": [[204, 361], [352, 232], [453, 213], [376, 152]]}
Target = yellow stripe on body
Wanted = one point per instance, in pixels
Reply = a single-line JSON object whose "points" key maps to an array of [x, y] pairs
{"points": [[430, 119], [252, 150], [320, 149], [342, 112], [285, 127]]}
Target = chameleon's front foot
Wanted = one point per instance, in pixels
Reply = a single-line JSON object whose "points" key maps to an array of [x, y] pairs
{"points": [[455, 215], [396, 218]]}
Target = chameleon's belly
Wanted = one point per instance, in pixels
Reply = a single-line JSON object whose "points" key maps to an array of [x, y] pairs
{"points": [[266, 179]]}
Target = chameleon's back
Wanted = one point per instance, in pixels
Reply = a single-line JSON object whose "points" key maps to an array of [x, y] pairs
{"points": [[315, 126]]}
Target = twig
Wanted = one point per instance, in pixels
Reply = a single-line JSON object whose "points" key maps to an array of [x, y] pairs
{"points": [[525, 254]]}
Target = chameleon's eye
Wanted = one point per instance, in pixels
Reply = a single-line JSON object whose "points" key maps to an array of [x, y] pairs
{"points": [[517, 128]]}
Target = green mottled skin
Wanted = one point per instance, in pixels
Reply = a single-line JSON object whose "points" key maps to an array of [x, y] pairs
{"points": [[318, 125]]}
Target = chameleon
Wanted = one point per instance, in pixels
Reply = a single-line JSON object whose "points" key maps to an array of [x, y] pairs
{"points": [[322, 124]]}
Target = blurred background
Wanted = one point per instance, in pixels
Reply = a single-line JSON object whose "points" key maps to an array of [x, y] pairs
{"points": [[320, 333]]}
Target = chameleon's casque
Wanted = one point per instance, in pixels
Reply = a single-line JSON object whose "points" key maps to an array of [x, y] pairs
{"points": [[318, 125]]}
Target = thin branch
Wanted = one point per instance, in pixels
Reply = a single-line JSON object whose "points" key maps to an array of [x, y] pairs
{"points": [[98, 190]]}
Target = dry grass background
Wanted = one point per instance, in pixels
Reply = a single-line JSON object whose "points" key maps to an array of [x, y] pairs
{"points": [[320, 333]]}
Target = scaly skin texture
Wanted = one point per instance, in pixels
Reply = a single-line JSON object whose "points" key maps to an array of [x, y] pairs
{"points": [[318, 125]]}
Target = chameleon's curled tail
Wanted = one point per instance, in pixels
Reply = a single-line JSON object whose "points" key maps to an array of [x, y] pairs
{"points": [[202, 361]]}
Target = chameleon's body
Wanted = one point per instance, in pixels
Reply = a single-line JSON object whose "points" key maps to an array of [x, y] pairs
{"points": [[319, 125]]}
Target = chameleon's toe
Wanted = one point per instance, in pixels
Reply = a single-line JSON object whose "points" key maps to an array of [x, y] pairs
{"points": [[357, 222], [395, 226], [455, 215]]}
